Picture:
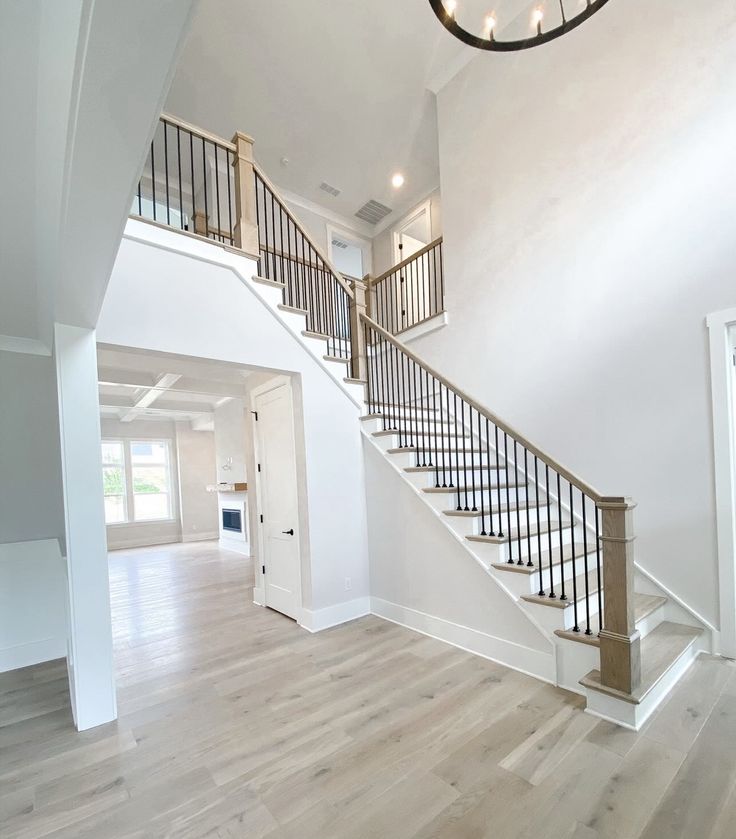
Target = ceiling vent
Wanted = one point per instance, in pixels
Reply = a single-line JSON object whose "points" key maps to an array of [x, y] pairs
{"points": [[373, 212], [333, 191], [338, 244]]}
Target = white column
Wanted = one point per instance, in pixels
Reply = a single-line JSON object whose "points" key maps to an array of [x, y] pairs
{"points": [[90, 661]]}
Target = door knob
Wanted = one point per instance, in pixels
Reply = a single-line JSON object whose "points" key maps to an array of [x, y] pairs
{"points": [[288, 532]]}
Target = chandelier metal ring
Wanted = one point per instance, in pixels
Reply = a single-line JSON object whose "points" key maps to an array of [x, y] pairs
{"points": [[491, 43]]}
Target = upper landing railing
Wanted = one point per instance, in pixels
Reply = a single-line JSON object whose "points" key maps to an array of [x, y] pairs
{"points": [[202, 184], [206, 186], [411, 292]]}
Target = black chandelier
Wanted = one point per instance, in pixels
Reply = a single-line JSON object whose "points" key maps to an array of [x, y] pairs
{"points": [[446, 9]]}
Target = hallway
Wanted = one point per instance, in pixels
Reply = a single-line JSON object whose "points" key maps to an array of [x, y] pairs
{"points": [[236, 723]]}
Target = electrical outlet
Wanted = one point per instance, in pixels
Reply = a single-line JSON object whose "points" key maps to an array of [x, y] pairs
{"points": [[348, 584]]}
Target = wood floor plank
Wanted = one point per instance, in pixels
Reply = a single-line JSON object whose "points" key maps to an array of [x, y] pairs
{"points": [[234, 722]]}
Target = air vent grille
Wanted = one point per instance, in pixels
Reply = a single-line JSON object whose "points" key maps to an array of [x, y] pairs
{"points": [[331, 190], [373, 211], [338, 244]]}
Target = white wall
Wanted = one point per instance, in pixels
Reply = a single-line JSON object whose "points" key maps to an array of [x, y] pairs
{"points": [[421, 577], [230, 442], [31, 501], [215, 315], [589, 197], [140, 534], [32, 585], [33, 622], [195, 455]]}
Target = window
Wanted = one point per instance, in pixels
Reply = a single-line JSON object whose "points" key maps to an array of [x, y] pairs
{"points": [[137, 480]]}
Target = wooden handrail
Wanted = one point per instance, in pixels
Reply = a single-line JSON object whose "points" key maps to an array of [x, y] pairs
{"points": [[317, 249], [200, 132], [405, 262], [574, 479]]}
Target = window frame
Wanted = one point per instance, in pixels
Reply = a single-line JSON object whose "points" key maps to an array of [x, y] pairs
{"points": [[129, 497]]}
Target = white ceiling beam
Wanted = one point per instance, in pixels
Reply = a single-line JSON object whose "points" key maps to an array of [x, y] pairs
{"points": [[149, 396]]}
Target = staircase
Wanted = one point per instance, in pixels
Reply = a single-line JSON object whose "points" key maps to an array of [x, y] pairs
{"points": [[559, 549]]}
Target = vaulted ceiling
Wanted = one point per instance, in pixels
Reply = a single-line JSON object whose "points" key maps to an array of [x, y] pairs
{"points": [[339, 89]]}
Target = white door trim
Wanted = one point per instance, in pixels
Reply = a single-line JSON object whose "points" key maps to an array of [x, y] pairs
{"points": [[259, 592], [720, 326], [425, 208]]}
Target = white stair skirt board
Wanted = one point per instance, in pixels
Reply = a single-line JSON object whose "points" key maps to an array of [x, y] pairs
{"points": [[319, 619], [516, 656]]}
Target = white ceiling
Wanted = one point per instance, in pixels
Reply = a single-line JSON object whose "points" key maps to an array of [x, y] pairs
{"points": [[339, 88], [150, 386]]}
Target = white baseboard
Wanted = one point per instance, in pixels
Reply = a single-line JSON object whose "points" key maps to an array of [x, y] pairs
{"points": [[516, 656], [201, 537], [142, 543], [242, 548], [316, 621], [259, 596], [32, 652]]}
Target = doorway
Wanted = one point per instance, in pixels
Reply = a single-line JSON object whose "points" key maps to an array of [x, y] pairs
{"points": [[278, 496]]}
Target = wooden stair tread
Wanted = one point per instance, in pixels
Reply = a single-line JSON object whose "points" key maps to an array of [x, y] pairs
{"points": [[566, 553], [265, 281], [350, 381], [660, 650], [644, 605], [292, 309], [340, 360], [413, 433], [556, 603], [544, 527], [430, 449]]}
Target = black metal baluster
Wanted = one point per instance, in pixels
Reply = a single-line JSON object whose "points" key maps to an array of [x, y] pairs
{"points": [[539, 529], [499, 493], [166, 173], [576, 627], [563, 596], [206, 203], [519, 561], [194, 186], [529, 562], [153, 181], [178, 166], [585, 566], [549, 533], [487, 453], [491, 530], [508, 498], [598, 570], [465, 459], [228, 169], [217, 194]]}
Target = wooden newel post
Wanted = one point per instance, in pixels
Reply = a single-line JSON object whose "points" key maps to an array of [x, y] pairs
{"points": [[357, 333], [246, 223], [619, 640], [370, 294]]}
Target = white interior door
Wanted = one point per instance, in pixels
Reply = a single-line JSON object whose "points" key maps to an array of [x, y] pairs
{"points": [[278, 498]]}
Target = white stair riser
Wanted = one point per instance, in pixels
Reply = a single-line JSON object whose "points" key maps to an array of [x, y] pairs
{"points": [[294, 321], [553, 618], [651, 621], [272, 296], [529, 583], [531, 545], [575, 660], [488, 500]]}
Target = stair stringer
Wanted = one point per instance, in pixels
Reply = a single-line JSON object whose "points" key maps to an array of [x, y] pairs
{"points": [[540, 662]]}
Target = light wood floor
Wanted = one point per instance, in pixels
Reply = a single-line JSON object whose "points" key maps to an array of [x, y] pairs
{"points": [[236, 723]]}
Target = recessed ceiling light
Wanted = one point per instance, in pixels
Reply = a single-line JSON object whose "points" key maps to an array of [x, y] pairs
{"points": [[397, 181]]}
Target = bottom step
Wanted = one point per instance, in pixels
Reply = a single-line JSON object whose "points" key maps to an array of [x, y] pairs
{"points": [[666, 653]]}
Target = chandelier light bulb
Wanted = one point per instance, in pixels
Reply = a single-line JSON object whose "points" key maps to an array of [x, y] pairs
{"points": [[486, 35]]}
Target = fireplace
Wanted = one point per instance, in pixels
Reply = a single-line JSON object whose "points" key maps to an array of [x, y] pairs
{"points": [[232, 520]]}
